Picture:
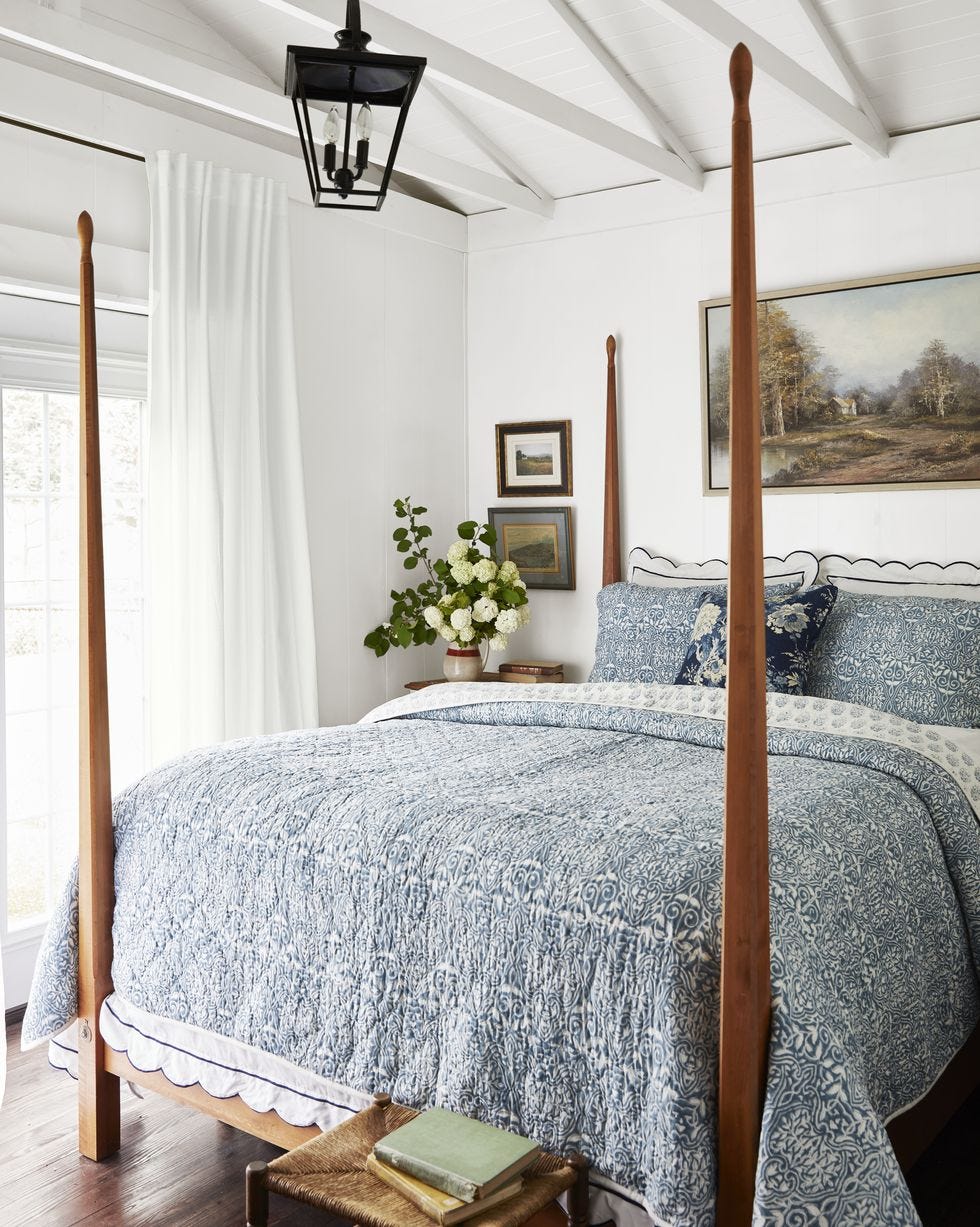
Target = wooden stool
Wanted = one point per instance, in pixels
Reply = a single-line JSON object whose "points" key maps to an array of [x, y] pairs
{"points": [[329, 1172]]}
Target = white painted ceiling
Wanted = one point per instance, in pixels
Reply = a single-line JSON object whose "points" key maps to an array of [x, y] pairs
{"points": [[918, 62]]}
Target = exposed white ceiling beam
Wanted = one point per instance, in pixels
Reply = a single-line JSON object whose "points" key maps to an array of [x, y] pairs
{"points": [[658, 122], [69, 39], [843, 64], [709, 20], [490, 147], [473, 75]]}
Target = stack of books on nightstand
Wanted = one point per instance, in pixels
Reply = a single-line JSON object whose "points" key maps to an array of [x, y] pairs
{"points": [[530, 671], [451, 1167]]}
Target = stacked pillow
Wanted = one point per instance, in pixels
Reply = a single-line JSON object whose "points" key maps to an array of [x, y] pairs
{"points": [[911, 655], [917, 657], [793, 626], [644, 633]]}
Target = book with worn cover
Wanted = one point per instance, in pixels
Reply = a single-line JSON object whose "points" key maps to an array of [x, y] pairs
{"points": [[454, 1153], [531, 679], [439, 1206], [532, 666]]}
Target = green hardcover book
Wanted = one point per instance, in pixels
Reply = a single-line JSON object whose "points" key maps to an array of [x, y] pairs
{"points": [[456, 1154]]}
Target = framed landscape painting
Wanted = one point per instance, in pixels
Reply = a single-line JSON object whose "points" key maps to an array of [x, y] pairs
{"points": [[534, 459], [539, 541], [865, 384]]}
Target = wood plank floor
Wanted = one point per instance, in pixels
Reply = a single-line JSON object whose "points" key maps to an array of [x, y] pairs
{"points": [[178, 1168]]}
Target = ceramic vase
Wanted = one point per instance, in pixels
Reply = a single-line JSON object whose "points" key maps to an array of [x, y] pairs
{"points": [[463, 665]]}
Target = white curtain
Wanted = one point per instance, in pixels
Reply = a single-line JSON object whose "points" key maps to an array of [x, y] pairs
{"points": [[231, 607]]}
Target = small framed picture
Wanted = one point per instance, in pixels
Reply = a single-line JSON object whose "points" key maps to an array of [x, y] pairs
{"points": [[534, 459], [539, 541]]}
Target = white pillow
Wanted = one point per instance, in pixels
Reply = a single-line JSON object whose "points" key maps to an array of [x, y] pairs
{"points": [[958, 580], [655, 571]]}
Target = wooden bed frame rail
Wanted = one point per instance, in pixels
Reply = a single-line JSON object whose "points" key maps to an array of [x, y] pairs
{"points": [[745, 957]]}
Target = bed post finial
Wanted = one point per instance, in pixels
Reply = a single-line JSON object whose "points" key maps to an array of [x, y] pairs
{"points": [[740, 76], [612, 553], [746, 993], [98, 1091], [86, 232]]}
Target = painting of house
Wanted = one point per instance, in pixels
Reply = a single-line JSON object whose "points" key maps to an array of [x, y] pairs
{"points": [[865, 383]]}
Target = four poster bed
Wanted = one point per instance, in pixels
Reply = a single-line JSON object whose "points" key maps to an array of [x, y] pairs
{"points": [[544, 948]]}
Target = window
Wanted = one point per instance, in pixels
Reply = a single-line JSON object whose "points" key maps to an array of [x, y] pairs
{"points": [[39, 648], [40, 515]]}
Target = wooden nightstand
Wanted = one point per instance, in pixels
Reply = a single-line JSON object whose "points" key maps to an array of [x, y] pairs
{"points": [[439, 681]]}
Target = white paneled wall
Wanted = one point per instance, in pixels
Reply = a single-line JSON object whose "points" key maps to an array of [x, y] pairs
{"points": [[379, 337], [539, 312]]}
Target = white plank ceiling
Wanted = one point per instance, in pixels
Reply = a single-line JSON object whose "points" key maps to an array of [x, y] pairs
{"points": [[916, 61]]}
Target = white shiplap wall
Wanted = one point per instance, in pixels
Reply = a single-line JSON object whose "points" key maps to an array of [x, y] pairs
{"points": [[540, 309]]}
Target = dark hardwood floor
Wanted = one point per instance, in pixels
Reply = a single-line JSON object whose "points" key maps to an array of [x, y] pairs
{"points": [[180, 1169]]}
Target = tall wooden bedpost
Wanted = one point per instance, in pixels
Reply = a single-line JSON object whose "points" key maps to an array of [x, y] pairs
{"points": [[98, 1091], [745, 976], [612, 552]]}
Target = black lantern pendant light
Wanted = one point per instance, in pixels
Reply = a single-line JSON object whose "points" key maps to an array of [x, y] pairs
{"points": [[354, 82]]}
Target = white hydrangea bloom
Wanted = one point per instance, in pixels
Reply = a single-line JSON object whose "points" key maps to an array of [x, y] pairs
{"points": [[508, 622], [447, 601], [485, 570], [498, 643], [457, 552], [508, 572], [447, 633], [485, 610], [524, 613], [433, 616], [461, 619], [467, 634], [462, 572], [519, 583], [492, 589]]}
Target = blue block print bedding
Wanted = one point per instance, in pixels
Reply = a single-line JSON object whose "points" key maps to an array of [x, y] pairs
{"points": [[505, 901]]}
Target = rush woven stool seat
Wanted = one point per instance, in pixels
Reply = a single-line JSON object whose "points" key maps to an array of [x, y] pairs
{"points": [[329, 1173]]}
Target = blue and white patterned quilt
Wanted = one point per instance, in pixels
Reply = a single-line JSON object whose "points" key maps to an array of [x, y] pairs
{"points": [[511, 907]]}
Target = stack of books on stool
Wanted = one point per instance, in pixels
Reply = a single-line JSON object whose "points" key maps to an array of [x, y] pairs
{"points": [[531, 671], [452, 1167]]}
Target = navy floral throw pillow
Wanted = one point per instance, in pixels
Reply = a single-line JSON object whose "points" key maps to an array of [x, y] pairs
{"points": [[793, 625]]}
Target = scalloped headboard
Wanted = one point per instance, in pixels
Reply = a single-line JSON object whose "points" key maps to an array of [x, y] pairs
{"points": [[648, 567], [955, 579]]}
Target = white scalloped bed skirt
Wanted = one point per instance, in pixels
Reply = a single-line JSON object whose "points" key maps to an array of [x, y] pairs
{"points": [[188, 1056]]}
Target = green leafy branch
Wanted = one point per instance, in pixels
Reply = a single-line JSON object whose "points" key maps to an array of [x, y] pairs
{"points": [[450, 585]]}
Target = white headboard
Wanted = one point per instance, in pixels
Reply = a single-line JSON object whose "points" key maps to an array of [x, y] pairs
{"points": [[648, 567]]}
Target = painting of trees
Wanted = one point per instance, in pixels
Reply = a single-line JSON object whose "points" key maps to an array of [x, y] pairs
{"points": [[796, 384], [854, 390]]}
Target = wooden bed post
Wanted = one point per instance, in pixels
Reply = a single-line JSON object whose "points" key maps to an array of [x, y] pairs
{"points": [[745, 976], [98, 1091], [612, 553]]}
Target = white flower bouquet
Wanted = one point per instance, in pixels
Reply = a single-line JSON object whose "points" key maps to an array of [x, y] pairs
{"points": [[468, 598]]}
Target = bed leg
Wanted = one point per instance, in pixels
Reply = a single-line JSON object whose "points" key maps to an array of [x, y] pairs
{"points": [[256, 1196], [578, 1194], [98, 1098]]}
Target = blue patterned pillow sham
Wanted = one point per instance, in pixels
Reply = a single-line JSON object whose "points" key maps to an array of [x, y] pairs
{"points": [[912, 656], [644, 632], [793, 625]]}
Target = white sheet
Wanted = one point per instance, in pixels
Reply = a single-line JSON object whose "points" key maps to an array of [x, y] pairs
{"points": [[188, 1056]]}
